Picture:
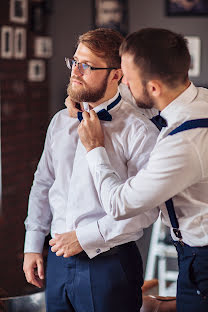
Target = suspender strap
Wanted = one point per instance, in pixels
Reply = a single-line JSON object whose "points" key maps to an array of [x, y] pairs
{"points": [[190, 124], [173, 218]]}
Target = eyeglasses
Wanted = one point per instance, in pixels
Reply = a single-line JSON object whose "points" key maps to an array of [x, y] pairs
{"points": [[83, 68]]}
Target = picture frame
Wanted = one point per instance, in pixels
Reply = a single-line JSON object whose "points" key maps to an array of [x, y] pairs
{"points": [[19, 43], [19, 11], [36, 70], [6, 42], [43, 47], [111, 14], [186, 7], [37, 17], [194, 46]]}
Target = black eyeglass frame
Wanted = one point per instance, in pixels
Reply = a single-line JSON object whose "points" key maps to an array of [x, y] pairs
{"points": [[89, 66]]}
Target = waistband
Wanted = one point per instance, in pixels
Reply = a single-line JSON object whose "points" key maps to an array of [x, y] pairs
{"points": [[190, 250]]}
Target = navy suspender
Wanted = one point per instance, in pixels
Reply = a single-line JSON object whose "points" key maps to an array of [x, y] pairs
{"points": [[190, 124]]}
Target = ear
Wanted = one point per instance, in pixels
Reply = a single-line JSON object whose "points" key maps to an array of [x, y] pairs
{"points": [[154, 88], [117, 74]]}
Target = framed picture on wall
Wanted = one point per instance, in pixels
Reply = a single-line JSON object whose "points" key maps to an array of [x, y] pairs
{"points": [[6, 42], [43, 47], [19, 43], [19, 11], [194, 45], [186, 7], [112, 14], [36, 70]]}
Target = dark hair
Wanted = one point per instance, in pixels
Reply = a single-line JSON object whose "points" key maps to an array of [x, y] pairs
{"points": [[105, 43], [159, 54]]}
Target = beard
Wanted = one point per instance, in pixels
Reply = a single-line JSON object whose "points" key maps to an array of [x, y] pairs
{"points": [[87, 94], [145, 101]]}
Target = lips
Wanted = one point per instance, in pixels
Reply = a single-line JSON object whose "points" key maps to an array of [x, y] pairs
{"points": [[77, 82]]}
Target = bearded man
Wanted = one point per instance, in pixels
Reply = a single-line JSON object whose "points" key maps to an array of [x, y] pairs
{"points": [[93, 261]]}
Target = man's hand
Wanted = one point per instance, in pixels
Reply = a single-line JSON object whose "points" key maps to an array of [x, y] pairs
{"points": [[33, 268], [72, 107], [90, 131], [65, 244]]}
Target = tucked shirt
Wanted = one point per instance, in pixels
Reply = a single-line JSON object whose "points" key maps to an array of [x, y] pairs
{"points": [[63, 197], [177, 167]]}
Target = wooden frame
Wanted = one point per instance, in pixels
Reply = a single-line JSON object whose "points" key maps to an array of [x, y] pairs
{"points": [[19, 43], [186, 8], [19, 11], [43, 47], [111, 14], [36, 70], [6, 42], [194, 45]]}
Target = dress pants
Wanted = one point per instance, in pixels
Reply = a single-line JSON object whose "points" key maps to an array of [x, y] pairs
{"points": [[192, 287], [107, 283]]}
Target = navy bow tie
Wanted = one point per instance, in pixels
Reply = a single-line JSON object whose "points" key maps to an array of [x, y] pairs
{"points": [[103, 114], [159, 121]]}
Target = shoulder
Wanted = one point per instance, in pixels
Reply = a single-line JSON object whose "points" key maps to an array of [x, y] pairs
{"points": [[136, 119], [60, 120]]}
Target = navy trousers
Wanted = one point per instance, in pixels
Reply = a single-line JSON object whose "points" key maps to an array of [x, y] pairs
{"points": [[107, 283], [192, 287]]}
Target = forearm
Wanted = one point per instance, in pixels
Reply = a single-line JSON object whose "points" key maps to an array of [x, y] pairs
{"points": [[106, 233], [151, 186]]}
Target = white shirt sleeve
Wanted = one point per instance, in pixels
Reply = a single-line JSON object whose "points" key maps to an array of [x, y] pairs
{"points": [[173, 166], [39, 217]]}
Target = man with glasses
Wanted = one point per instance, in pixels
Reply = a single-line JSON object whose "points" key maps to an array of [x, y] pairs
{"points": [[105, 275]]}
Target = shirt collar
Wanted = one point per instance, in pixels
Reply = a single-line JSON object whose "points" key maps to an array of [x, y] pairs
{"points": [[174, 111], [102, 105]]}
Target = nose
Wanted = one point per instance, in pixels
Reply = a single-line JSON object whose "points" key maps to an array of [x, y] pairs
{"points": [[75, 70]]}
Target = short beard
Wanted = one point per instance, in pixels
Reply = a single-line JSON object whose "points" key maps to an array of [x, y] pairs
{"points": [[91, 95], [146, 101]]}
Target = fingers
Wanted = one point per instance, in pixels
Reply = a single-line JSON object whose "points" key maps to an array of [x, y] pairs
{"points": [[72, 107], [33, 269], [40, 270], [32, 278], [93, 114], [52, 242], [60, 252], [86, 115]]}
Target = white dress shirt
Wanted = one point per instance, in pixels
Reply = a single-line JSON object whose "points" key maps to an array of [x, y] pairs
{"points": [[178, 168], [63, 196]]}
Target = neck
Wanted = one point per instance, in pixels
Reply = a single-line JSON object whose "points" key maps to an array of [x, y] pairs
{"points": [[109, 94], [169, 95]]}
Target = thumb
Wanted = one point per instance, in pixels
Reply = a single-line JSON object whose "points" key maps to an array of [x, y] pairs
{"points": [[93, 114], [40, 270]]}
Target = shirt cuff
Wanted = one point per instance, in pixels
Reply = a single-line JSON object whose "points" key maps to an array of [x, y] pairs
{"points": [[34, 242], [97, 156], [91, 240]]}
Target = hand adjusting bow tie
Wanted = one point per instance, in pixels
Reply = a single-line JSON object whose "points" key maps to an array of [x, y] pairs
{"points": [[159, 121], [103, 114]]}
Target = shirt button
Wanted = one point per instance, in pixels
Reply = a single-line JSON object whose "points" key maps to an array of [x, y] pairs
{"points": [[98, 250]]}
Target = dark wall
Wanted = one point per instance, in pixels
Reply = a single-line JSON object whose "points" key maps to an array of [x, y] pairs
{"points": [[69, 19], [152, 13], [24, 119]]}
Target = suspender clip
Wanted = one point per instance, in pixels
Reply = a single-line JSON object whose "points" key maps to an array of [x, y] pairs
{"points": [[177, 233]]}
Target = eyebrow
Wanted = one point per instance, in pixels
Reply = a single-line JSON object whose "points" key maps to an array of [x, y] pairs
{"points": [[85, 61]]}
